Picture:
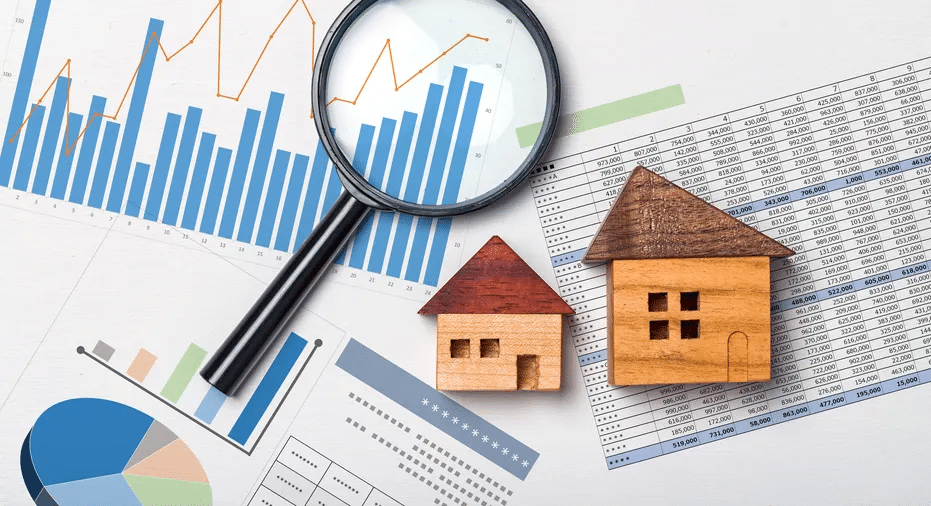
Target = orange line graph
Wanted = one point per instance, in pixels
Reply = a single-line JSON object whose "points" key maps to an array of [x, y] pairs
{"points": [[394, 73], [218, 12]]}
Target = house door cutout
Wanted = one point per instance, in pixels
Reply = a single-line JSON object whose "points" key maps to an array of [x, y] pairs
{"points": [[737, 357], [528, 372]]}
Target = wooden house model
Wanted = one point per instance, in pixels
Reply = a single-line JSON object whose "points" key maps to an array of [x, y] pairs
{"points": [[688, 288], [499, 325]]}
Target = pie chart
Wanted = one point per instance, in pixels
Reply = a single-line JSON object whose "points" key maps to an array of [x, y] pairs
{"points": [[95, 452]]}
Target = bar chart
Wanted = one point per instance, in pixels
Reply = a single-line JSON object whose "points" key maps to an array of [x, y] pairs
{"points": [[248, 190], [244, 417]]}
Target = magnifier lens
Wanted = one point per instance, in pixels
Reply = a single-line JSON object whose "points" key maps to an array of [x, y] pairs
{"points": [[425, 97]]}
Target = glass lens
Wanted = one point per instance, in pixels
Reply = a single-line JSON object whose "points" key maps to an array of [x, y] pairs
{"points": [[425, 97]]}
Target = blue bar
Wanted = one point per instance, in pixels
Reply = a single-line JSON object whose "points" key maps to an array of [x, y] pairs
{"points": [[437, 251], [30, 146], [111, 133], [273, 198], [414, 182], [56, 115], [198, 180], [291, 202], [398, 168], [463, 142], [166, 150], [267, 389], [375, 178], [27, 72], [402, 234], [210, 405], [209, 222], [312, 196], [445, 136], [262, 155], [238, 180], [454, 181], [66, 156], [402, 152], [134, 115], [360, 160], [182, 166], [418, 249], [137, 189], [88, 149]]}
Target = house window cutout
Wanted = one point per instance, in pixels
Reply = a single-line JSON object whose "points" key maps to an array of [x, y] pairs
{"points": [[658, 302], [690, 329], [528, 372], [490, 348], [659, 329], [688, 301], [459, 348]]}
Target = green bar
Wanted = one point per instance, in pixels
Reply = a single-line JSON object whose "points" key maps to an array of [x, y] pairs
{"points": [[605, 114], [184, 371]]}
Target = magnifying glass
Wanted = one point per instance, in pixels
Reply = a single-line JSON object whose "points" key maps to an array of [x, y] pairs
{"points": [[417, 103]]}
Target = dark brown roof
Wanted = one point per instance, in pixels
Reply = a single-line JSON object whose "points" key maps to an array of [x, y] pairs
{"points": [[654, 218], [496, 281]]}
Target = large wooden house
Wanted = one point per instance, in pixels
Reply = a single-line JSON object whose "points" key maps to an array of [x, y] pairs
{"points": [[688, 288]]}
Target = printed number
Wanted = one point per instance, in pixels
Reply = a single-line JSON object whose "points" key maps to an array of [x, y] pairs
{"points": [[7, 74], [242, 248], [260, 253], [509, 21], [798, 98], [166, 232], [872, 78], [19, 21], [652, 139], [391, 283], [352, 275], [203, 241], [909, 67]]}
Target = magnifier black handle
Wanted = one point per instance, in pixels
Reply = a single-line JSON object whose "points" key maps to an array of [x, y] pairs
{"points": [[233, 361]]}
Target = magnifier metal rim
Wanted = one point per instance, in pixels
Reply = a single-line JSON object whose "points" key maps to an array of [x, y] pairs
{"points": [[362, 189]]}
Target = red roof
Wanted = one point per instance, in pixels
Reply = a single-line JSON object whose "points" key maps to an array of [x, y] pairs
{"points": [[496, 281]]}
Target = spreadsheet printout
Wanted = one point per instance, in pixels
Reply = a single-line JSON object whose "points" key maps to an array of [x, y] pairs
{"points": [[842, 175]]}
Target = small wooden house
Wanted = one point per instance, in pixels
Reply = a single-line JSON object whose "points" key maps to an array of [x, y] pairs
{"points": [[688, 288], [499, 325]]}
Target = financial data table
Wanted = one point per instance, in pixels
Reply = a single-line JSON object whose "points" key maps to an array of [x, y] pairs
{"points": [[842, 175]]}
